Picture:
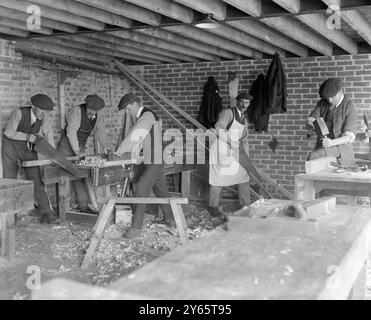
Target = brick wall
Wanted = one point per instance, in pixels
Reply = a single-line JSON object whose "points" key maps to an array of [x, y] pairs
{"points": [[183, 84]]}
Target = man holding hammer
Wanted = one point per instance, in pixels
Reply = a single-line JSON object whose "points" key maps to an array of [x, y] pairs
{"points": [[340, 115]]}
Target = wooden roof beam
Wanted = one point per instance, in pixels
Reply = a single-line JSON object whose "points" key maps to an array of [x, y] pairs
{"points": [[16, 24], [246, 39], [318, 22], [258, 30], [216, 7], [198, 45], [135, 36], [354, 18], [139, 46], [84, 10], [126, 9], [168, 8], [13, 32], [295, 30], [115, 47], [45, 22], [54, 14], [214, 40]]}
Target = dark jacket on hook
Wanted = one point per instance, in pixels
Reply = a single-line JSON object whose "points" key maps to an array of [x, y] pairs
{"points": [[276, 95], [256, 112], [211, 104]]}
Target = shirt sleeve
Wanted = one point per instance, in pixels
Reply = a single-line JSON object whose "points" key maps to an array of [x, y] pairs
{"points": [[224, 118], [73, 120], [11, 128], [137, 133], [316, 112], [100, 130], [47, 130], [350, 123]]}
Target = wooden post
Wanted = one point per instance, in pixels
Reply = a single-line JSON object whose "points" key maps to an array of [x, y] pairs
{"points": [[3, 233], [93, 198], [63, 197], [304, 189], [180, 221], [1, 160], [186, 183]]}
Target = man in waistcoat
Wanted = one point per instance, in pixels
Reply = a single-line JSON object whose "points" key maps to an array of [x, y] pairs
{"points": [[20, 134], [81, 121], [144, 137]]}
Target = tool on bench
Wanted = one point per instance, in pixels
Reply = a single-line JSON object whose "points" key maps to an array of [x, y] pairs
{"points": [[351, 168]]}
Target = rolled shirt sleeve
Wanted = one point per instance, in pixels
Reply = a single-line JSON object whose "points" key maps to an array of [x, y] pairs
{"points": [[137, 133], [350, 123], [47, 130], [100, 131], [73, 120]]}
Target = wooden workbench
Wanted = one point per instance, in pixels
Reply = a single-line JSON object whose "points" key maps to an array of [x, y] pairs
{"points": [[15, 196], [235, 265], [308, 185]]}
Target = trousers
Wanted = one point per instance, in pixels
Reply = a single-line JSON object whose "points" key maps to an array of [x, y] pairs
{"points": [[14, 151], [243, 194]]}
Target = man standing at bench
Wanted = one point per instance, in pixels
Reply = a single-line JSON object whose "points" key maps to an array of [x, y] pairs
{"points": [[143, 137], [19, 136], [340, 115], [81, 121]]}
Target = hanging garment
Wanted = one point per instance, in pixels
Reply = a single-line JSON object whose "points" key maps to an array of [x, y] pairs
{"points": [[211, 104], [256, 112], [233, 81], [224, 170], [275, 81]]}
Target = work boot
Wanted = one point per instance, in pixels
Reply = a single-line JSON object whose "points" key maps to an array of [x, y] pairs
{"points": [[214, 211], [49, 218], [87, 210], [132, 233]]}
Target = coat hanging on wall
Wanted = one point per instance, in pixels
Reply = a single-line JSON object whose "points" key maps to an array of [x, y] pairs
{"points": [[276, 95], [256, 112], [211, 104]]}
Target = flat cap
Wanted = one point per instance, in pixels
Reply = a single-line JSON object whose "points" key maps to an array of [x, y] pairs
{"points": [[244, 95], [126, 100], [42, 101], [330, 87], [94, 102]]}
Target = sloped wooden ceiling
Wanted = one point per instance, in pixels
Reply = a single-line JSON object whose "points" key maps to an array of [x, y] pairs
{"points": [[164, 31]]}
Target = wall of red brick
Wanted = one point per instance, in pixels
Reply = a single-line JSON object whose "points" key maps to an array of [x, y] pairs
{"points": [[183, 84]]}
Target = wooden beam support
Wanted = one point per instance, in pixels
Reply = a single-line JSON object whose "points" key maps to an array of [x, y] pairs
{"points": [[259, 30], [197, 45], [246, 39], [96, 50], [295, 30], [126, 9], [140, 46], [45, 22], [135, 36], [319, 23], [116, 48], [166, 7], [84, 10], [216, 7], [214, 40], [12, 23], [354, 18], [13, 32], [54, 14], [252, 7]]}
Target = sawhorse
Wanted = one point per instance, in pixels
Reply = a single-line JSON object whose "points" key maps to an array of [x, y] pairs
{"points": [[105, 214]]}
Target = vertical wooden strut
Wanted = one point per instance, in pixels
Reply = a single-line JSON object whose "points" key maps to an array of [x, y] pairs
{"points": [[257, 174]]}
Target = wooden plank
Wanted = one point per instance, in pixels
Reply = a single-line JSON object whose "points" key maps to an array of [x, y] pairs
{"points": [[98, 233], [91, 193], [186, 183], [4, 234], [1, 158], [43, 162], [150, 200], [11, 235], [180, 221], [320, 164], [317, 208], [304, 189]]}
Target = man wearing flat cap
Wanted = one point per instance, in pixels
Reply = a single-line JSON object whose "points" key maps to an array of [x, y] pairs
{"points": [[81, 121], [340, 115], [144, 137], [224, 170], [24, 125]]}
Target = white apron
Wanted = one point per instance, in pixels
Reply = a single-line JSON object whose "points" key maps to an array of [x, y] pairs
{"points": [[224, 170]]}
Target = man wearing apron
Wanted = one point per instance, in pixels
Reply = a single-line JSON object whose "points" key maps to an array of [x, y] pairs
{"points": [[81, 121], [340, 115], [224, 169], [19, 136], [150, 173]]}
